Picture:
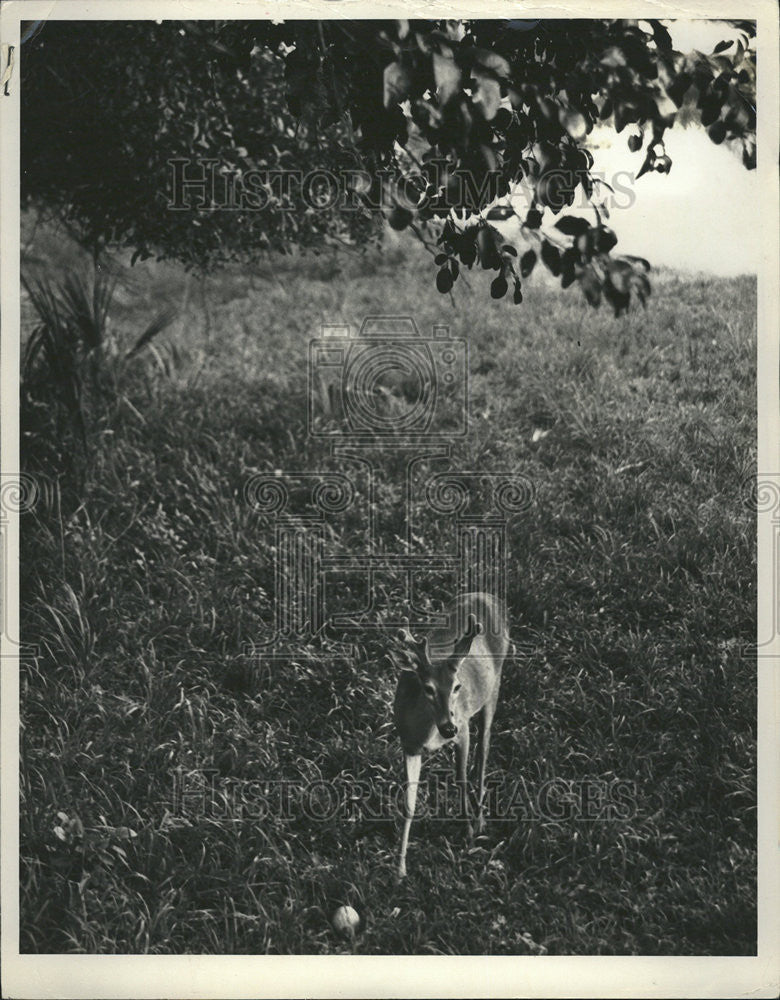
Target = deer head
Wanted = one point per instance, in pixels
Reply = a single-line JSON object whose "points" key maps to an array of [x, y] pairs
{"points": [[439, 681]]}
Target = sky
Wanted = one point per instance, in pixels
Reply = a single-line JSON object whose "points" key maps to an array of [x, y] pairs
{"points": [[703, 215]]}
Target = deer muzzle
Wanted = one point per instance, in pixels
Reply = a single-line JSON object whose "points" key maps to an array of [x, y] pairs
{"points": [[447, 729]]}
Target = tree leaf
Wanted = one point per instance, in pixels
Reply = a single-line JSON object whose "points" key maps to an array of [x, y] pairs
{"points": [[679, 88], [492, 61], [710, 109], [605, 239], [399, 217], [446, 74], [639, 260], [397, 83], [717, 132], [468, 252], [551, 257], [619, 274], [487, 93], [591, 286], [661, 36], [575, 123], [527, 262], [499, 287], [572, 225], [444, 280], [488, 253], [500, 212], [534, 219]]}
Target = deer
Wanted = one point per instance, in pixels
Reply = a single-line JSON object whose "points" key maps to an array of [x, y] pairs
{"points": [[457, 675]]}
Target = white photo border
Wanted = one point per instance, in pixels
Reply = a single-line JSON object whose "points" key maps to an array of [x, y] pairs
{"points": [[187, 976]]}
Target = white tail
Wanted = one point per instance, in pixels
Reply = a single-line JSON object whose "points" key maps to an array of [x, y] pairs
{"points": [[458, 673]]}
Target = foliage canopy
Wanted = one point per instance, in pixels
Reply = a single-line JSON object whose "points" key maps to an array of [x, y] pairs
{"points": [[296, 134]]}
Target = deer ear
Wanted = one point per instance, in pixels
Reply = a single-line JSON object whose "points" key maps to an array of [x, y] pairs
{"points": [[473, 627], [463, 645], [423, 660]]}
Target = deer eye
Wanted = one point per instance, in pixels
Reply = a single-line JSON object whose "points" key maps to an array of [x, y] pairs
{"points": [[430, 690], [456, 689]]}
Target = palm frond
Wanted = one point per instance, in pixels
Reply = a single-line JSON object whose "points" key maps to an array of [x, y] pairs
{"points": [[163, 319], [87, 307]]}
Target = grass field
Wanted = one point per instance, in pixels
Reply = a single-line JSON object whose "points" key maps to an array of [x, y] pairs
{"points": [[630, 590]]}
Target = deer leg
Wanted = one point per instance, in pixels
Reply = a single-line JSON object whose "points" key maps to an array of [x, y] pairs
{"points": [[461, 772], [484, 749], [412, 762]]}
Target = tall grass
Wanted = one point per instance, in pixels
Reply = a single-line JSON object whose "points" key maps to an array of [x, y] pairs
{"points": [[630, 591], [71, 362]]}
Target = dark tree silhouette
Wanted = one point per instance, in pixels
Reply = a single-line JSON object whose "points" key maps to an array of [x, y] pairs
{"points": [[214, 141]]}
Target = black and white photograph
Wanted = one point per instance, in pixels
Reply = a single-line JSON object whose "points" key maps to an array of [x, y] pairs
{"points": [[390, 500]]}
